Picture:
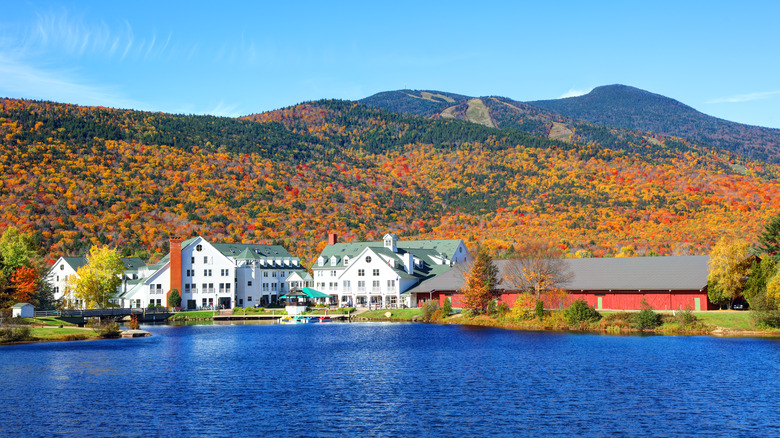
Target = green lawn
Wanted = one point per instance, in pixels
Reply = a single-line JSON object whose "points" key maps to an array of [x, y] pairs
{"points": [[396, 314], [728, 319], [57, 333], [198, 314], [49, 320]]}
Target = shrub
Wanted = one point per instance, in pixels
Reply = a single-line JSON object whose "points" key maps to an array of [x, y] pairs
{"points": [[685, 317], [492, 307], [579, 311], [437, 315], [767, 319], [105, 329], [523, 307], [16, 334], [467, 313], [446, 309], [646, 318], [540, 309], [428, 309]]}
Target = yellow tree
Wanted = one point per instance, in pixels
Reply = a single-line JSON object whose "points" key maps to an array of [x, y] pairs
{"points": [[481, 282], [97, 281], [537, 270], [729, 268]]}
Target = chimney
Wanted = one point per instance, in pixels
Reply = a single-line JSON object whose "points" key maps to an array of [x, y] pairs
{"points": [[408, 263], [175, 269], [332, 239]]}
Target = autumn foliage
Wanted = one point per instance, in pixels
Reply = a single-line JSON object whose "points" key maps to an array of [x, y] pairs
{"points": [[74, 177]]}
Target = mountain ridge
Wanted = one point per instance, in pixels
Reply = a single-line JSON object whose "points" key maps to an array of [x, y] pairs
{"points": [[613, 106]]}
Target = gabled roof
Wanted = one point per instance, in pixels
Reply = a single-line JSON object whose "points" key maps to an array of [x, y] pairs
{"points": [[260, 251], [20, 305], [75, 262], [605, 274], [639, 273], [353, 249], [132, 263]]}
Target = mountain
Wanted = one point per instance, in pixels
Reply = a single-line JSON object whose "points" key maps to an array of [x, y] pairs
{"points": [[631, 108], [76, 176], [625, 112]]}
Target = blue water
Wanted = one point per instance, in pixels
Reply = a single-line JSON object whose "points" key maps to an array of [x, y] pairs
{"points": [[390, 380]]}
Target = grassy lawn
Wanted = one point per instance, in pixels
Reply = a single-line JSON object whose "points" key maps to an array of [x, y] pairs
{"points": [[53, 333], [728, 319], [396, 314], [49, 320], [198, 314]]}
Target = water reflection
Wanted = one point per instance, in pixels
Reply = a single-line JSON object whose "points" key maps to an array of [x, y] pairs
{"points": [[368, 379]]}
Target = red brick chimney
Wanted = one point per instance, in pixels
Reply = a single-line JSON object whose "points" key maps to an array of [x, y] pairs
{"points": [[175, 267], [332, 238]]}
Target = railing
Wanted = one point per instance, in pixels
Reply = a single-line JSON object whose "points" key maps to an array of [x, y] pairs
{"points": [[45, 313]]}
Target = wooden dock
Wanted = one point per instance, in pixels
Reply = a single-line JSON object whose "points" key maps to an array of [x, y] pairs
{"points": [[233, 317]]}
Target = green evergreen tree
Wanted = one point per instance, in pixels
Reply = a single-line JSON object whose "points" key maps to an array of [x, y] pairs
{"points": [[769, 240], [174, 299]]}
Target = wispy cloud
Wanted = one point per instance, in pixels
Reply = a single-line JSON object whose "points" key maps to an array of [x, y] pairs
{"points": [[749, 97], [18, 79], [574, 93]]}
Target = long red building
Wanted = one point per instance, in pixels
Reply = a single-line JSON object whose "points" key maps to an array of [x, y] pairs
{"points": [[666, 283]]}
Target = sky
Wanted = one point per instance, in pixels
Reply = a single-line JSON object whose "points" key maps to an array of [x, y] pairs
{"points": [[234, 58]]}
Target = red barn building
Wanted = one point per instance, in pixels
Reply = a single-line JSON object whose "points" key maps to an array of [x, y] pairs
{"points": [[666, 283]]}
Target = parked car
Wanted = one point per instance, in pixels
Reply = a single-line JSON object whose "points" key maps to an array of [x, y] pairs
{"points": [[740, 306]]}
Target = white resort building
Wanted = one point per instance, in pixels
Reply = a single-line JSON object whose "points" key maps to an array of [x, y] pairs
{"points": [[207, 275], [377, 274]]}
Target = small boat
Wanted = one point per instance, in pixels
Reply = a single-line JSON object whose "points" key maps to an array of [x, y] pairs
{"points": [[325, 318], [287, 320], [312, 319]]}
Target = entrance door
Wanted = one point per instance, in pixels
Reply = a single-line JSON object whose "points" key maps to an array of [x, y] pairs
{"points": [[600, 303], [697, 304]]}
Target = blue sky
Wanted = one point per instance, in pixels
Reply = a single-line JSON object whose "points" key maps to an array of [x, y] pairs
{"points": [[238, 58]]}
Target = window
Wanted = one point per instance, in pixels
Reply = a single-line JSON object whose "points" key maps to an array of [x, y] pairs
{"points": [[58, 278], [273, 287], [204, 302], [199, 248], [346, 260], [265, 274], [368, 259], [205, 289], [249, 299], [332, 286], [227, 287], [347, 287], [376, 272], [62, 267], [223, 272], [193, 260], [361, 286], [281, 274], [249, 283], [391, 284], [194, 288], [187, 288], [332, 273], [207, 272], [273, 274], [222, 288], [211, 288], [205, 260], [333, 261], [320, 261], [361, 273], [265, 287]]}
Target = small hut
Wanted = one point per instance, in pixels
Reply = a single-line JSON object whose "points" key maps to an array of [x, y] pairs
{"points": [[23, 310]]}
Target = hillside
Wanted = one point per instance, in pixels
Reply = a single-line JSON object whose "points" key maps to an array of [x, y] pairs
{"points": [[611, 116], [631, 108], [76, 176]]}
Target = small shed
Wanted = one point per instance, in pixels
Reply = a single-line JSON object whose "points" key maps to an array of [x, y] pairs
{"points": [[23, 310]]}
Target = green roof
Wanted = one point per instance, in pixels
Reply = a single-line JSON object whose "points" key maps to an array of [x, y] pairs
{"points": [[314, 293], [353, 249], [75, 262]]}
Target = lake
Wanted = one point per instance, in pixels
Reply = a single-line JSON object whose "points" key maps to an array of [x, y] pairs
{"points": [[372, 379]]}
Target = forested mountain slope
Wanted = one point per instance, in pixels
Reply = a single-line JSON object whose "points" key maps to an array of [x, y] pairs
{"points": [[75, 176], [604, 116]]}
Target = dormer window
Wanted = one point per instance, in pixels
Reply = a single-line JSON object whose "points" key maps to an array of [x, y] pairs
{"points": [[321, 261], [333, 261], [346, 260]]}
